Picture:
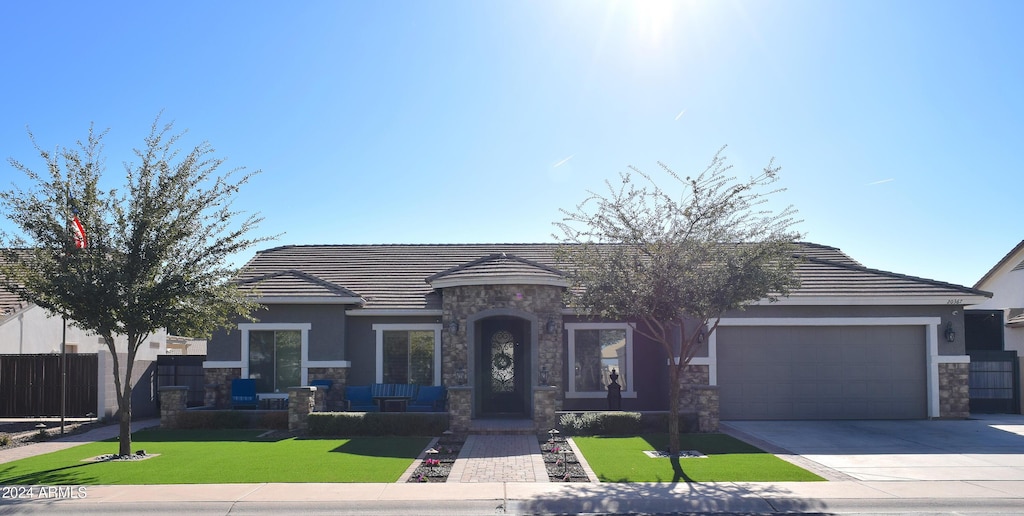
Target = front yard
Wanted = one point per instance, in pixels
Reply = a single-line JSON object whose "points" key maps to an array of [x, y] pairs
{"points": [[250, 456], [222, 457], [622, 459]]}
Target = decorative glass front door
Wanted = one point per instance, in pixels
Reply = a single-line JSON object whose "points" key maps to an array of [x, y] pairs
{"points": [[501, 367]]}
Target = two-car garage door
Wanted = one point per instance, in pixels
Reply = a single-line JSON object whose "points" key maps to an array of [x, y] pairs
{"points": [[822, 372]]}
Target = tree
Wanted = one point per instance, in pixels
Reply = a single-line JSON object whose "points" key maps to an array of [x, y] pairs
{"points": [[672, 263], [153, 256]]}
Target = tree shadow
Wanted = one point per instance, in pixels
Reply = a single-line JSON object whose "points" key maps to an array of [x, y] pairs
{"points": [[668, 498], [66, 475]]}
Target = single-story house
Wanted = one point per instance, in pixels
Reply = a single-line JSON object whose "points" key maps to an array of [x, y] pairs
{"points": [[489, 322]]}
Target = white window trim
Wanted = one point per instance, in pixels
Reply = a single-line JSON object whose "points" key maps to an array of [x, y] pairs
{"points": [[627, 389], [304, 328], [379, 357]]}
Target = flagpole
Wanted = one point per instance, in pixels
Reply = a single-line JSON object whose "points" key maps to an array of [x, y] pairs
{"points": [[63, 371]]}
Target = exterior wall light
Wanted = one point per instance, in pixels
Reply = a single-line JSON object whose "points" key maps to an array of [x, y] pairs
{"points": [[950, 332], [551, 326], [453, 326]]}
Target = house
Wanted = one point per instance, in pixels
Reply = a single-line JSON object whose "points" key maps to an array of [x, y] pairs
{"points": [[995, 336], [489, 322], [28, 329]]}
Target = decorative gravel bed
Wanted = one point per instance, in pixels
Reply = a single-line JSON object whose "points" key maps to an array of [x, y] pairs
{"points": [[448, 448], [561, 462]]}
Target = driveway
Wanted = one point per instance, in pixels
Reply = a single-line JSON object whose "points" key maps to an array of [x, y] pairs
{"points": [[985, 447]]}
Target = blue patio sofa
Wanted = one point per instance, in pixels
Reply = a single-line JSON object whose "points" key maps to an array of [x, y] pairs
{"points": [[420, 399]]}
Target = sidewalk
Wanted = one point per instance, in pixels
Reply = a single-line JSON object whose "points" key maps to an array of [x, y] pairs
{"points": [[541, 496]]}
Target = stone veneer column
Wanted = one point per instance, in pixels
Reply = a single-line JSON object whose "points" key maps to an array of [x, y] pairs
{"points": [[301, 403], [218, 386], [460, 408], [954, 390], [173, 399], [696, 395], [544, 408], [333, 397]]}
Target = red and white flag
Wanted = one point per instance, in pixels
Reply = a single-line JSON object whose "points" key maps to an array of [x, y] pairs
{"points": [[78, 233]]}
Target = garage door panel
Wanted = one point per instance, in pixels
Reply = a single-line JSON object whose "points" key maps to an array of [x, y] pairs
{"points": [[822, 372]]}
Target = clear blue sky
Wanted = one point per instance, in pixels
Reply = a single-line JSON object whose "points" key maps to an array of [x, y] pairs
{"points": [[898, 124]]}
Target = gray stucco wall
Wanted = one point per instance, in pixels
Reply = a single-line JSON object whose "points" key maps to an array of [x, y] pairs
{"points": [[326, 334], [362, 344]]}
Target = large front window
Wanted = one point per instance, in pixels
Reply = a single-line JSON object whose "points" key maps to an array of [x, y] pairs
{"points": [[596, 351], [409, 357], [408, 353], [275, 359]]}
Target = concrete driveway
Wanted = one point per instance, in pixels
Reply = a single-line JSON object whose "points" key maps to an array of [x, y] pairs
{"points": [[985, 447]]}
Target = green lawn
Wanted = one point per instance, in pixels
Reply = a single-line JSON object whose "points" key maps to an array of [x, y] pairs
{"points": [[621, 459], [222, 457]]}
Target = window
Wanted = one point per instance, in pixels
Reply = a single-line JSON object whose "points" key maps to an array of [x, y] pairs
{"points": [[409, 353], [595, 350], [409, 357], [275, 359]]}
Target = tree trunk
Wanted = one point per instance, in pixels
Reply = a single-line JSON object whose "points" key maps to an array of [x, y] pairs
{"points": [[124, 408], [673, 408]]}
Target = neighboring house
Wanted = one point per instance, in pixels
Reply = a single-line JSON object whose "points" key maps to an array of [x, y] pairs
{"points": [[995, 333], [28, 329], [489, 322], [1006, 283]]}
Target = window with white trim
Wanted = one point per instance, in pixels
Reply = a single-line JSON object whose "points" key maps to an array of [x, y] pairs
{"points": [[595, 350], [409, 353], [275, 359]]}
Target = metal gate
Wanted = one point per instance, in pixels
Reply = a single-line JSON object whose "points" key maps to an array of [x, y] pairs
{"points": [[994, 381], [30, 385], [184, 370]]}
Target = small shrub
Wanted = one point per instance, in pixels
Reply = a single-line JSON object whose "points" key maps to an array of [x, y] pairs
{"points": [[232, 419], [374, 423], [5, 440], [601, 423]]}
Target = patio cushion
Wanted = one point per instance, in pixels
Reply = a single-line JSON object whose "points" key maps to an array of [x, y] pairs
{"points": [[407, 390], [358, 398], [381, 389], [429, 399], [243, 393]]}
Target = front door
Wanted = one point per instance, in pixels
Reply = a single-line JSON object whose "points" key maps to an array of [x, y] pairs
{"points": [[501, 368]]}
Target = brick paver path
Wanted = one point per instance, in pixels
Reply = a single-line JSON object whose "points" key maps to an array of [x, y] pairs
{"points": [[499, 458]]}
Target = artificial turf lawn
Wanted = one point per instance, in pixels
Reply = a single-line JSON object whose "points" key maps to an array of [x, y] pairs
{"points": [[621, 459], [222, 457]]}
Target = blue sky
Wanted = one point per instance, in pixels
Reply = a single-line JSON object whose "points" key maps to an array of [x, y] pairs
{"points": [[898, 124]]}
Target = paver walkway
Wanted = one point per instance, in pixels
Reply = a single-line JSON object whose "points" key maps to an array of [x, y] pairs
{"points": [[499, 458], [61, 443]]}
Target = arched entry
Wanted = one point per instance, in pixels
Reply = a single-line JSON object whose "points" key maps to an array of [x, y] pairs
{"points": [[503, 364]]}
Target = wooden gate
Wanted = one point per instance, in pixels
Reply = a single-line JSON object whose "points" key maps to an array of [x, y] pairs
{"points": [[31, 385]]}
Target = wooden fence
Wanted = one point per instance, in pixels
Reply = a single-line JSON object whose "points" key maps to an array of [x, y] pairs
{"points": [[30, 385]]}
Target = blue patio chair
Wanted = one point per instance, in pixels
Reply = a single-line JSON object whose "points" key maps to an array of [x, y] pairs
{"points": [[243, 393], [428, 399], [359, 398], [326, 384]]}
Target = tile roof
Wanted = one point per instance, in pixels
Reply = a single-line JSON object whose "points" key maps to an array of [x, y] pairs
{"points": [[498, 264], [396, 276], [294, 283]]}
